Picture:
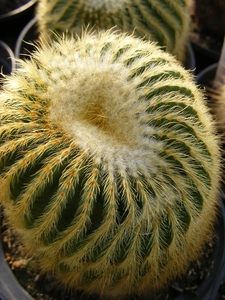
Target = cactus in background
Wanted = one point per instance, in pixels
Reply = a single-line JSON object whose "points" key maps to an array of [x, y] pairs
{"points": [[216, 96], [165, 22], [109, 162]]}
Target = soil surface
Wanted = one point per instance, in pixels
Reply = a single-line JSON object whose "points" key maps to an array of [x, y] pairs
{"points": [[206, 41], [9, 5], [41, 287]]}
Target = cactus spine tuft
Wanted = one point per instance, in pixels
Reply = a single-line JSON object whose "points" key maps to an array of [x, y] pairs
{"points": [[165, 22], [109, 162], [216, 95]]}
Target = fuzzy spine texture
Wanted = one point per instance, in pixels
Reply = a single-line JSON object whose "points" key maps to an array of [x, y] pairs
{"points": [[165, 22], [216, 94], [109, 162]]}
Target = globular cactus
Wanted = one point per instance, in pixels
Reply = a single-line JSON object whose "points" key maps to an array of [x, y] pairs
{"points": [[110, 165], [165, 22]]}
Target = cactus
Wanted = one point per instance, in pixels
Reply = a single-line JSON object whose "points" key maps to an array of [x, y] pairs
{"points": [[216, 95], [109, 162], [165, 22]]}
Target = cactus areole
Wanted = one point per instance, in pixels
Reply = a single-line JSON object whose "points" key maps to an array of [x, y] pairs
{"points": [[109, 162], [165, 22]]}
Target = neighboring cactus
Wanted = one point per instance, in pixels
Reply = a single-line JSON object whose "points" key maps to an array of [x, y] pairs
{"points": [[110, 166], [217, 104], [165, 22]]}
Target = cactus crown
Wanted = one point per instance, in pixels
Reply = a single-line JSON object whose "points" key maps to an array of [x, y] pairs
{"points": [[165, 22], [109, 162]]}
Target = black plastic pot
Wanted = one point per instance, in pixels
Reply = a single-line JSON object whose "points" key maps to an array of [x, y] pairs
{"points": [[204, 58], [13, 22], [7, 59], [210, 286], [10, 289], [30, 34], [15, 16], [190, 63], [207, 52], [206, 76]]}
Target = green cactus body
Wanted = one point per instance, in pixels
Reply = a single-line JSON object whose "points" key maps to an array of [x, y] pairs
{"points": [[110, 164], [166, 22]]}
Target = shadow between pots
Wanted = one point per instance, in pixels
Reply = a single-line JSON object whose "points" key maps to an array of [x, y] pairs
{"points": [[7, 59], [28, 35], [206, 76]]}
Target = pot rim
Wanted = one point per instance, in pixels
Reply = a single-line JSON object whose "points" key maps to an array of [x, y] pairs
{"points": [[21, 38], [19, 10], [206, 71], [8, 55]]}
